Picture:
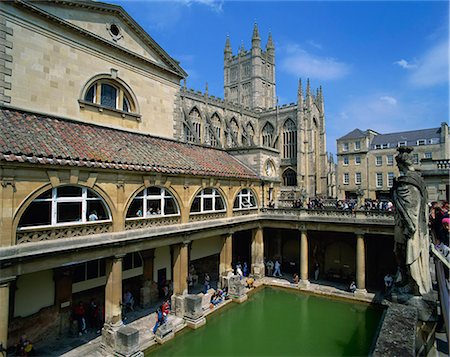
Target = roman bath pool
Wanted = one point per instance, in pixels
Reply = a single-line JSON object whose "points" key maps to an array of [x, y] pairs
{"points": [[280, 322]]}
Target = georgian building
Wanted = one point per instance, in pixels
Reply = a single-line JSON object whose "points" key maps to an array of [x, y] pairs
{"points": [[366, 161], [114, 178]]}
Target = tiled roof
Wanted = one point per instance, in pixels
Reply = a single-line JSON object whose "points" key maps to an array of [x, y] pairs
{"points": [[355, 134], [410, 137], [38, 139]]}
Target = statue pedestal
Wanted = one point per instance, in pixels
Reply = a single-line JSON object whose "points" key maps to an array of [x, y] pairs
{"points": [[258, 271], [121, 341], [178, 304], [236, 289], [193, 311], [164, 332], [360, 292]]}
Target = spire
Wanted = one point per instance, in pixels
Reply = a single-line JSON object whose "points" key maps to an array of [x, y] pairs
{"points": [[256, 40], [242, 48], [227, 50], [270, 45], [206, 88], [300, 93], [321, 102], [308, 89]]}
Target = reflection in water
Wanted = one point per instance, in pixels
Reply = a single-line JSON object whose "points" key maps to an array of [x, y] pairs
{"points": [[277, 322]]}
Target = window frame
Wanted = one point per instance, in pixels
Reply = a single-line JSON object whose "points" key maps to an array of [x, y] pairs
{"points": [[55, 200], [421, 142], [358, 162], [378, 160], [390, 160], [202, 195], [345, 147], [162, 196], [390, 179], [122, 94], [358, 174], [345, 160], [378, 179], [357, 147], [241, 196], [346, 178]]}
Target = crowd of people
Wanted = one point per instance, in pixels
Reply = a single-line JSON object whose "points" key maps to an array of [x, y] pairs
{"points": [[346, 204], [439, 224]]}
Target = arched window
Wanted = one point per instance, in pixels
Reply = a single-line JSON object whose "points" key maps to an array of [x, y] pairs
{"points": [[267, 135], [208, 200], [110, 94], [234, 128], [289, 139], [188, 136], [65, 205], [245, 200], [289, 178], [216, 127], [250, 131], [153, 202], [196, 121]]}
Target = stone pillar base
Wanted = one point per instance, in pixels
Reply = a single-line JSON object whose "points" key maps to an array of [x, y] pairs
{"points": [[178, 305], [195, 324], [258, 271], [240, 299], [304, 284], [360, 292], [164, 333], [120, 340]]}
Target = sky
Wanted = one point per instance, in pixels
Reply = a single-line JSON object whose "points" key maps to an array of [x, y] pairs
{"points": [[382, 65]]}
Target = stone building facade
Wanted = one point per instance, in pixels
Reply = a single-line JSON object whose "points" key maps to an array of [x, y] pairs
{"points": [[285, 144], [114, 178], [367, 167]]}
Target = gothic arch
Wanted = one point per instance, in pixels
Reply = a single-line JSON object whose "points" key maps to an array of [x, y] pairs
{"points": [[289, 139], [267, 133], [289, 177]]}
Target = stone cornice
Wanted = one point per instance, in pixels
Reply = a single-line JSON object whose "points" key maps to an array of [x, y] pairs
{"points": [[173, 66]]}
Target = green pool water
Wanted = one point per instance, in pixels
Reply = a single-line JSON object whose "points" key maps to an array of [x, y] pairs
{"points": [[278, 322]]}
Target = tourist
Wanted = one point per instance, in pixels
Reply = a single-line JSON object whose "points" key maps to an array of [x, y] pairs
{"points": [[139, 213], [24, 347], [217, 297], [206, 284], [388, 281], [245, 269], [444, 233], [277, 268], [160, 319], [80, 315], [165, 308], [128, 300], [352, 287], [295, 279], [249, 283], [93, 216], [269, 266], [94, 316], [316, 270]]}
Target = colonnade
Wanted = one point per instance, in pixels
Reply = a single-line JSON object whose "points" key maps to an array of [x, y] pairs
{"points": [[113, 288]]}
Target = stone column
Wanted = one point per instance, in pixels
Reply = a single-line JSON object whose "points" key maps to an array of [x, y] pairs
{"points": [[148, 257], [360, 264], [258, 253], [180, 268], [113, 291], [4, 310], [304, 282], [149, 289], [226, 256]]}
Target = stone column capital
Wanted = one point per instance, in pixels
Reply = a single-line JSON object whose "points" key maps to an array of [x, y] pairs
{"points": [[119, 256], [360, 233]]}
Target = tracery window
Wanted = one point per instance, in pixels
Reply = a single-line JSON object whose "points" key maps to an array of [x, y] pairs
{"points": [[208, 200], [289, 178], [110, 94], [289, 139], [234, 128], [188, 135], [153, 202], [267, 135], [65, 205], [196, 121], [250, 132], [245, 199], [216, 128]]}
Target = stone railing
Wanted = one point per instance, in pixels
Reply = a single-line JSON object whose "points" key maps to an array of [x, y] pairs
{"points": [[151, 222], [196, 217], [37, 234], [443, 164], [244, 212], [328, 214]]}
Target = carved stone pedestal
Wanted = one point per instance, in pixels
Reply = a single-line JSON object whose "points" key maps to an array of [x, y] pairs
{"points": [[121, 341], [177, 303], [236, 289], [258, 271], [193, 311], [164, 333], [360, 292]]}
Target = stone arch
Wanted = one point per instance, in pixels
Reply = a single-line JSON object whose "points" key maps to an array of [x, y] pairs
{"points": [[267, 133], [289, 177]]}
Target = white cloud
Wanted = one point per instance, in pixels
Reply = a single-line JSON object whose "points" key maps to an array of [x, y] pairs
{"points": [[433, 68], [389, 100], [315, 44], [405, 64], [301, 63], [215, 5]]}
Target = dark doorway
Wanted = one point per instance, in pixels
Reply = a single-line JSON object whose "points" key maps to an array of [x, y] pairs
{"points": [[242, 247], [162, 281]]}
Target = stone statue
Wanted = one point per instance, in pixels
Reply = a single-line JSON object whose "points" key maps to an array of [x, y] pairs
{"points": [[411, 239]]}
